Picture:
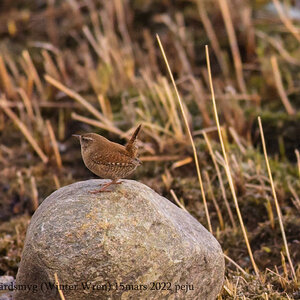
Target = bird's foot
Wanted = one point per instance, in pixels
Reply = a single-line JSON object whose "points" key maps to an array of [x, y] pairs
{"points": [[104, 187]]}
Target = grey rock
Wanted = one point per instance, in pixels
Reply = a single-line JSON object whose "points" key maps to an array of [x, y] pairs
{"points": [[7, 284], [6, 296], [6, 280], [128, 244]]}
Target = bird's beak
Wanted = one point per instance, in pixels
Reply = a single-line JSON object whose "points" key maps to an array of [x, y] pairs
{"points": [[77, 136]]}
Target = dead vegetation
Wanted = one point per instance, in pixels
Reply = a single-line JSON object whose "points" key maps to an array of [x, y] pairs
{"points": [[78, 66]]}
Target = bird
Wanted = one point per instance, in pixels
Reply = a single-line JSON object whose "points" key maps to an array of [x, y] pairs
{"points": [[107, 159]]}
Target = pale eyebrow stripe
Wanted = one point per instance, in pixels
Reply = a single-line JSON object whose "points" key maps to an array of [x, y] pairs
{"points": [[87, 138]]}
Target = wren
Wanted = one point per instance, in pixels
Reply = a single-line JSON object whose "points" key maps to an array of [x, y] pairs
{"points": [[107, 159]]}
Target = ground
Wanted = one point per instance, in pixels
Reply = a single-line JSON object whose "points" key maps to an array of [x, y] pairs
{"points": [[70, 67]]}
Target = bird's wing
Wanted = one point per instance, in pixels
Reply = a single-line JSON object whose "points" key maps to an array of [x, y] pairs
{"points": [[116, 154]]}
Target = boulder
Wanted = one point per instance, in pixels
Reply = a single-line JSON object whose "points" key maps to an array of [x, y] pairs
{"points": [[130, 243], [6, 287]]}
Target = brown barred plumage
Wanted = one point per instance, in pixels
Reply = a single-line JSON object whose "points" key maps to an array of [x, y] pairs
{"points": [[107, 159]]}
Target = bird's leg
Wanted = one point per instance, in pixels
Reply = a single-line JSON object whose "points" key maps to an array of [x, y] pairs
{"points": [[105, 186]]}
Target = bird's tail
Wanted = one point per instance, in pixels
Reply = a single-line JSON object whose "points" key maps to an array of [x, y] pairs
{"points": [[135, 134], [131, 145]]}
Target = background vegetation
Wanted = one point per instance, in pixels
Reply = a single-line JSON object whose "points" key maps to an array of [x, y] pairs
{"points": [[95, 66]]}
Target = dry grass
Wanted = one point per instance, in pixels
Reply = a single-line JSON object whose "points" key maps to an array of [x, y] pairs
{"points": [[189, 135], [290, 110], [86, 67], [61, 295], [276, 201], [227, 167]]}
